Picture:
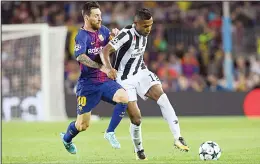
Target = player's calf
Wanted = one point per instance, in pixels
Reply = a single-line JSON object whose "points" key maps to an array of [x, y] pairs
{"points": [[74, 128], [82, 126], [134, 113], [117, 116], [136, 121], [72, 131], [82, 122], [135, 128], [155, 92]]}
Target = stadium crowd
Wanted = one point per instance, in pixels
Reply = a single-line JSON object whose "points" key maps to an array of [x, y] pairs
{"points": [[184, 47]]}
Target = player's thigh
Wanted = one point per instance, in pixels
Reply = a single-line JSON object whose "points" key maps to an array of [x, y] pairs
{"points": [[147, 81], [130, 86], [134, 113], [155, 92], [85, 104], [113, 92], [87, 98]]}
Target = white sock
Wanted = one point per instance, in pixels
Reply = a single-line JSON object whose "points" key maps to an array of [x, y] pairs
{"points": [[136, 135], [169, 115]]}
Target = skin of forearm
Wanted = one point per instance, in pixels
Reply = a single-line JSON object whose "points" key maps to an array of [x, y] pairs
{"points": [[84, 59], [105, 56]]}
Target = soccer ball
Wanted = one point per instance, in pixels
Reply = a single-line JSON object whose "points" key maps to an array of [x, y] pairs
{"points": [[209, 150]]}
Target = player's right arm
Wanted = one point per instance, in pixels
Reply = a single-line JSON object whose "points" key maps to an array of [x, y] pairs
{"points": [[113, 45]]}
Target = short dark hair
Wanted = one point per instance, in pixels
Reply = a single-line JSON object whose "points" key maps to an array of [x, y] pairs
{"points": [[143, 14], [88, 6]]}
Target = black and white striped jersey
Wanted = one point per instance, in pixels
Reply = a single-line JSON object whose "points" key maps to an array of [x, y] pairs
{"points": [[130, 47]]}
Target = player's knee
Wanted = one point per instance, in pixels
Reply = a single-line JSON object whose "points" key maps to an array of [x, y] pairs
{"points": [[121, 96], [124, 98], [136, 120], [82, 126], [157, 95], [155, 92]]}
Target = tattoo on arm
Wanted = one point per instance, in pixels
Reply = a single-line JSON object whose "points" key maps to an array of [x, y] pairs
{"points": [[84, 59]]}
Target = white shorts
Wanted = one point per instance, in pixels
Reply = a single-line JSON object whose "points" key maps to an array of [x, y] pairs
{"points": [[139, 84]]}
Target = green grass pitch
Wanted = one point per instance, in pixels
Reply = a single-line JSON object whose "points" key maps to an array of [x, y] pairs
{"points": [[238, 137]]}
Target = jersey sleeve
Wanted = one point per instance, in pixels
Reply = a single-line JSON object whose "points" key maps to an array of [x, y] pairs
{"points": [[80, 45], [119, 40]]}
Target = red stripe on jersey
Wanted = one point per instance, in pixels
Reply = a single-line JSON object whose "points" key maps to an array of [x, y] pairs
{"points": [[81, 66]]}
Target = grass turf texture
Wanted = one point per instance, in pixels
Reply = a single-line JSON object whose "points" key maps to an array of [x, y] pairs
{"points": [[28, 142]]}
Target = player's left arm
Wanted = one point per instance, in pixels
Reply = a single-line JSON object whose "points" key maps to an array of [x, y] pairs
{"points": [[113, 45], [104, 55], [107, 50]]}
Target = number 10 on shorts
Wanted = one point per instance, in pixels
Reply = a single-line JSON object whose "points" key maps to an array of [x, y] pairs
{"points": [[82, 101]]}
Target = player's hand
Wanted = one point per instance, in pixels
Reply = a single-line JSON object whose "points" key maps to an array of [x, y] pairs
{"points": [[112, 74], [114, 32], [104, 69]]}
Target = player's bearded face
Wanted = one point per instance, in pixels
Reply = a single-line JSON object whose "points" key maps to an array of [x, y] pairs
{"points": [[95, 19], [144, 26]]}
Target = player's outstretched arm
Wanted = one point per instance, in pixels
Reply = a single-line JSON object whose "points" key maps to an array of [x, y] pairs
{"points": [[107, 50], [113, 45], [84, 59], [104, 55]]}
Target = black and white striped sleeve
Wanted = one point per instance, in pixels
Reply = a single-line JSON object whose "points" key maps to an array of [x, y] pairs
{"points": [[119, 40]]}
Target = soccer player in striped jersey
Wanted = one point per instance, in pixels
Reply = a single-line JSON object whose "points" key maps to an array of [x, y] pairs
{"points": [[134, 76]]}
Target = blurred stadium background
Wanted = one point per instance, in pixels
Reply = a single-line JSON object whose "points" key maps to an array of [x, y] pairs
{"points": [[188, 49]]}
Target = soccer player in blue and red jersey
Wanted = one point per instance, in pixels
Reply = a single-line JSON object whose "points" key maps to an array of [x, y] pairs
{"points": [[94, 83]]}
